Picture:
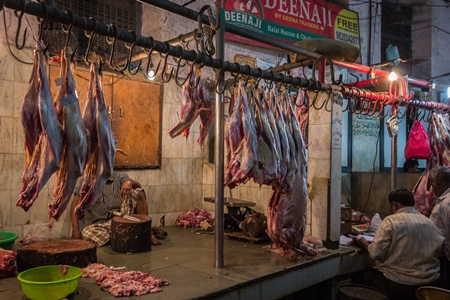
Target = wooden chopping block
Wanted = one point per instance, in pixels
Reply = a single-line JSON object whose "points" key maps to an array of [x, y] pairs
{"points": [[78, 253], [131, 236]]}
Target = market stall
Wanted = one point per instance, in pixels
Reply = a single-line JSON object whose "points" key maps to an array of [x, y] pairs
{"points": [[325, 98]]}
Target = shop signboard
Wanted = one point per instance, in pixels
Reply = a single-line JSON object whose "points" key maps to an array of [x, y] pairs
{"points": [[291, 21]]}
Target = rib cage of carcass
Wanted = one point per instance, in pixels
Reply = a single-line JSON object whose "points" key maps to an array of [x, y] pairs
{"points": [[264, 142], [439, 136]]}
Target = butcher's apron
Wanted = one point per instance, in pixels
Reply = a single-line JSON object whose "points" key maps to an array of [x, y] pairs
{"points": [[99, 234]]}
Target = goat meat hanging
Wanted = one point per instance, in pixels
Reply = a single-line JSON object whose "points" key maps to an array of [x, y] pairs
{"points": [[439, 136], [74, 151], [101, 145], [267, 168], [286, 217], [194, 102], [43, 132]]}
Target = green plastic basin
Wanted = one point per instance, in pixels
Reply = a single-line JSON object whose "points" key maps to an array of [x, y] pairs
{"points": [[8, 238], [47, 282]]}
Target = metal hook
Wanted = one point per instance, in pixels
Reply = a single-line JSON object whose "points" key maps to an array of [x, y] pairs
{"points": [[323, 103], [90, 37], [197, 79], [248, 76], [329, 100], [353, 83], [113, 42], [411, 93], [163, 74], [179, 66], [330, 62], [220, 78], [19, 24], [69, 29], [42, 21], [260, 77], [130, 55], [100, 66]]}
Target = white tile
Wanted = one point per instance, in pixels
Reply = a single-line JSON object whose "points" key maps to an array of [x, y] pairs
{"points": [[6, 66], [6, 167], [6, 134], [6, 98], [22, 72], [18, 137], [5, 208]]}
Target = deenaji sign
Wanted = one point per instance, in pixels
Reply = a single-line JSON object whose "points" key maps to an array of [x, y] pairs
{"points": [[291, 20]]}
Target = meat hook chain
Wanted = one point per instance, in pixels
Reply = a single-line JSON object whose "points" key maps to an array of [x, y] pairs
{"points": [[88, 24]]}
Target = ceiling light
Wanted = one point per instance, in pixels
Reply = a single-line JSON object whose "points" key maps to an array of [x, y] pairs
{"points": [[393, 76], [151, 74]]}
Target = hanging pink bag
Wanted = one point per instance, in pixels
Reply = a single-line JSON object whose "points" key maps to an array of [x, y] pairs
{"points": [[418, 144]]}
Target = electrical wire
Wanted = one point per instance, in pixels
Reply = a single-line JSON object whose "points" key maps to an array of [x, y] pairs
{"points": [[9, 46], [445, 31], [373, 170]]}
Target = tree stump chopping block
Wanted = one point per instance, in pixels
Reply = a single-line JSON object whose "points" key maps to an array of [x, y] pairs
{"points": [[78, 253], [129, 236]]}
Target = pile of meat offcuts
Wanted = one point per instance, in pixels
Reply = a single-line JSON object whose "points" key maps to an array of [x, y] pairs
{"points": [[124, 284], [194, 103], [61, 140], [439, 136], [264, 143], [7, 263], [193, 218]]}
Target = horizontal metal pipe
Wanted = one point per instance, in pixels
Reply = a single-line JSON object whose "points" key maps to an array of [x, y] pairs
{"points": [[372, 82], [56, 15], [193, 15]]}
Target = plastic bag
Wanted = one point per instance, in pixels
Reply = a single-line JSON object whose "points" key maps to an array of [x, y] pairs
{"points": [[418, 144], [376, 221], [36, 233]]}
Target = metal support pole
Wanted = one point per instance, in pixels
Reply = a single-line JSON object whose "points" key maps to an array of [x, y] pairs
{"points": [[394, 162], [219, 157]]}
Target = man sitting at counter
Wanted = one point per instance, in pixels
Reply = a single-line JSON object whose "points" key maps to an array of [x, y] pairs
{"points": [[439, 178], [119, 190], [406, 249]]}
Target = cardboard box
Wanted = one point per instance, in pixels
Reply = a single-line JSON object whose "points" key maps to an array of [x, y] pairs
{"points": [[346, 227]]}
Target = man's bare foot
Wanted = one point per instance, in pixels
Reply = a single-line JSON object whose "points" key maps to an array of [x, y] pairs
{"points": [[155, 241]]}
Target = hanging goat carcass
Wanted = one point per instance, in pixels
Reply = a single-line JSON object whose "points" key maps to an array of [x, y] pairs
{"points": [[74, 151], [42, 130]]}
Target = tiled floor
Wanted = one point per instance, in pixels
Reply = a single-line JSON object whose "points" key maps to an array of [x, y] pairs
{"points": [[186, 260]]}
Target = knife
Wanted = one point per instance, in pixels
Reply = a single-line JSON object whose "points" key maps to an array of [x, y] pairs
{"points": [[128, 217]]}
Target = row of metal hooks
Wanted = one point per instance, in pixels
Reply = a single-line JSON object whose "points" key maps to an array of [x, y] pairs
{"points": [[359, 101]]}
